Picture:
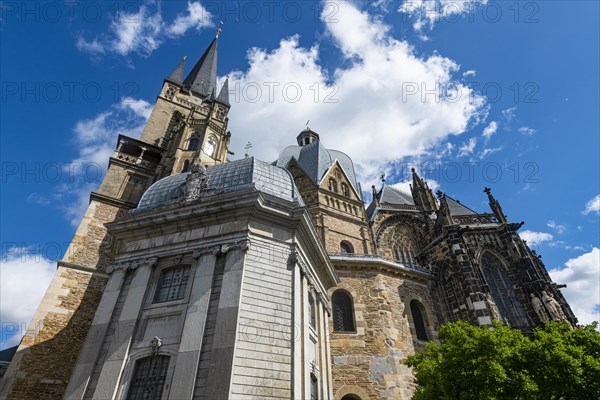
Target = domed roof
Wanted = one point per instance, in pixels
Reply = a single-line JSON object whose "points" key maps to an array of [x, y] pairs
{"points": [[224, 178]]}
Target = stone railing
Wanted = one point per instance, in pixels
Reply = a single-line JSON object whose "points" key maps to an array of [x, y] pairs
{"points": [[128, 158]]}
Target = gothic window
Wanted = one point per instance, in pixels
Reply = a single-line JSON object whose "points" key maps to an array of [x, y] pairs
{"points": [[314, 387], [311, 312], [346, 248], [345, 190], [333, 185], [186, 166], [343, 320], [503, 292], [418, 321], [172, 284], [149, 378], [193, 144], [210, 146]]}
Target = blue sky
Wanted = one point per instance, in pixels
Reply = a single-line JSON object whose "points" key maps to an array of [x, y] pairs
{"points": [[517, 109]]}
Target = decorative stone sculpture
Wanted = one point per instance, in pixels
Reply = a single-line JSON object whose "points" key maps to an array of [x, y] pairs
{"points": [[493, 307], [155, 345], [539, 308], [553, 308], [195, 183]]}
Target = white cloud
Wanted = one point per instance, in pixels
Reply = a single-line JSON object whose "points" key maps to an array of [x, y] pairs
{"points": [[490, 130], [534, 238], [367, 100], [197, 17], [469, 73], [467, 148], [143, 31], [509, 114], [525, 131], [487, 151], [405, 185], [582, 277], [560, 229], [427, 13], [592, 206], [25, 278]]}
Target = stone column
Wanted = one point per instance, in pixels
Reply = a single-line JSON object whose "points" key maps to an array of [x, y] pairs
{"points": [[219, 377], [297, 330], [95, 337], [119, 349], [188, 357], [305, 338], [322, 345]]}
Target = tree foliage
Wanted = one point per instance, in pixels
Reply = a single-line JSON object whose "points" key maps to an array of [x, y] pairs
{"points": [[471, 362]]}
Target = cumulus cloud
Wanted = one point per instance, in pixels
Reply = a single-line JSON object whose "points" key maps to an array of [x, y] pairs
{"points": [[25, 278], [143, 31], [427, 13], [96, 139], [381, 97], [582, 277], [490, 130], [592, 206], [508, 115], [469, 73], [534, 238]]}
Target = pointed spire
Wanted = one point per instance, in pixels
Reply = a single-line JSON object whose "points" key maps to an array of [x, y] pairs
{"points": [[375, 196], [495, 205], [202, 79], [177, 75], [223, 97], [421, 193]]}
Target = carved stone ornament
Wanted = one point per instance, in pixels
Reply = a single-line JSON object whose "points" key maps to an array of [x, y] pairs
{"points": [[155, 344], [195, 184], [493, 307], [539, 308], [223, 248], [132, 265]]}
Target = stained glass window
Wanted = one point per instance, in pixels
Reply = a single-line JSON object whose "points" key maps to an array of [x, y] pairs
{"points": [[502, 290], [418, 321]]}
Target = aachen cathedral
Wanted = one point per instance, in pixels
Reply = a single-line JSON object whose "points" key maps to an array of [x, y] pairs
{"points": [[195, 277]]}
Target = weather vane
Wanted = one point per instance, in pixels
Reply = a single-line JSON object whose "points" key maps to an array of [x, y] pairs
{"points": [[382, 177], [307, 122], [248, 146], [219, 30]]}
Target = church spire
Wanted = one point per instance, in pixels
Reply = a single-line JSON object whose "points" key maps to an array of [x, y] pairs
{"points": [[223, 96], [495, 206], [202, 79], [177, 75], [422, 195]]}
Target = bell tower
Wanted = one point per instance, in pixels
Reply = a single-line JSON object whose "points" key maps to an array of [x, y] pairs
{"points": [[189, 120]]}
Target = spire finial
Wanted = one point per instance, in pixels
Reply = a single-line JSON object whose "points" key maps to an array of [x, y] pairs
{"points": [[382, 177], [219, 30], [248, 146]]}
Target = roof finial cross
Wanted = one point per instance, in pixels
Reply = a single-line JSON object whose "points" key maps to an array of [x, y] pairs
{"points": [[247, 147], [219, 30]]}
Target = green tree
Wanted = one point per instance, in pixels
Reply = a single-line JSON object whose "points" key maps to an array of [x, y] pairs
{"points": [[471, 362]]}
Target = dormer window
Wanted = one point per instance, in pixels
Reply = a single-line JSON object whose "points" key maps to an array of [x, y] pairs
{"points": [[333, 185], [345, 190], [193, 144]]}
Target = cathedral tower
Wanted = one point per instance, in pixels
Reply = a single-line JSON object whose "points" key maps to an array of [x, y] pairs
{"points": [[188, 125]]}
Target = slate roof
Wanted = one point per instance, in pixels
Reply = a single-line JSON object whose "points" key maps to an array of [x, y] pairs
{"points": [[316, 160], [456, 208], [202, 78], [177, 75], [225, 178], [391, 199]]}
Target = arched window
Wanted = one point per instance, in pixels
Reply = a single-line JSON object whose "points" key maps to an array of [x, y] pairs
{"points": [[333, 185], [343, 320], [210, 146], [418, 321], [503, 293], [193, 144], [149, 378], [311, 312], [314, 387], [346, 248], [186, 166]]}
